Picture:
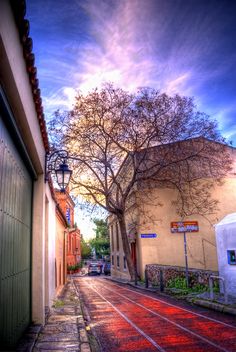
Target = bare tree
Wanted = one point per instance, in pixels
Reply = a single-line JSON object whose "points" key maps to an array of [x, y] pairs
{"points": [[123, 141]]}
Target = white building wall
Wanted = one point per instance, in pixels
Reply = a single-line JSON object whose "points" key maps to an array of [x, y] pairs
{"points": [[50, 245], [226, 241], [16, 85]]}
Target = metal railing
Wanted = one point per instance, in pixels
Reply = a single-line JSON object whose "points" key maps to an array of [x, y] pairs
{"points": [[211, 279], [161, 280]]}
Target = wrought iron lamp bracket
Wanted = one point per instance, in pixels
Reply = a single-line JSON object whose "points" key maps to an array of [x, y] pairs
{"points": [[53, 160]]}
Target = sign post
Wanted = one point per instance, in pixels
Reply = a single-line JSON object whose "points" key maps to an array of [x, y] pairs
{"points": [[183, 227], [186, 259]]}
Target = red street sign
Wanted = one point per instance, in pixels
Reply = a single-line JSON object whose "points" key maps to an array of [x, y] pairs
{"points": [[184, 226]]}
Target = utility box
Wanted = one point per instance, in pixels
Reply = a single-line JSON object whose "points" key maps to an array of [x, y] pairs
{"points": [[226, 251]]}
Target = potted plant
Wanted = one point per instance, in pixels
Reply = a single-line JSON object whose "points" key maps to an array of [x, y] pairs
{"points": [[70, 269]]}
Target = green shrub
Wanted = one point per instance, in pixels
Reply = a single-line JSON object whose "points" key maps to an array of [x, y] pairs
{"points": [[181, 283], [177, 282], [71, 267], [58, 303]]}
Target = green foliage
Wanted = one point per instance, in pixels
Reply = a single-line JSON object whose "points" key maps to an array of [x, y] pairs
{"points": [[70, 267], [177, 282], [101, 229], [180, 283], [85, 249], [79, 265], [101, 243], [216, 286], [75, 267], [58, 303], [199, 288]]}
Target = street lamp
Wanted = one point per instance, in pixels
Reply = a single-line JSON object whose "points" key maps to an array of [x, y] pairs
{"points": [[56, 163], [63, 175]]}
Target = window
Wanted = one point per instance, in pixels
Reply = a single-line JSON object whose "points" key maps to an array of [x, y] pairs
{"points": [[118, 261], [117, 238], [125, 263], [112, 259], [231, 256], [112, 239]]}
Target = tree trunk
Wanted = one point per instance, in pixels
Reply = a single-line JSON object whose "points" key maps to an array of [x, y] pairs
{"points": [[126, 246]]}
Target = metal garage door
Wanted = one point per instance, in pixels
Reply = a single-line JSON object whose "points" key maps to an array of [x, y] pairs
{"points": [[15, 242]]}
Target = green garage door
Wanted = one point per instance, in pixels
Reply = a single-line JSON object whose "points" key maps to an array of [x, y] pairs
{"points": [[15, 242]]}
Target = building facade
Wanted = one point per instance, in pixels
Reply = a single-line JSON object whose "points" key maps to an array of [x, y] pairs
{"points": [[73, 240], [149, 222], [27, 204], [61, 250]]}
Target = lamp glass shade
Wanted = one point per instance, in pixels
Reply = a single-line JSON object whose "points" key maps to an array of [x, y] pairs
{"points": [[63, 175]]}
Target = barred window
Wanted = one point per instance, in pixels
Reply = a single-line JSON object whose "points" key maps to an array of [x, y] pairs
{"points": [[117, 237], [112, 238], [118, 261], [125, 263]]}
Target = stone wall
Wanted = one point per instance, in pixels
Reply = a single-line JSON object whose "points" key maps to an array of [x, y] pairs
{"points": [[196, 276]]}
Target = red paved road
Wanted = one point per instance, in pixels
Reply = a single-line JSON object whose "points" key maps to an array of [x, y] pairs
{"points": [[125, 320]]}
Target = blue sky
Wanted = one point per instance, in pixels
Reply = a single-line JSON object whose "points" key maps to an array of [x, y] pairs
{"points": [[177, 46]]}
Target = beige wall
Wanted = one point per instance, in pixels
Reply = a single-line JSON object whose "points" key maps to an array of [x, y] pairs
{"points": [[117, 252], [50, 245], [60, 273], [168, 248], [155, 214]]}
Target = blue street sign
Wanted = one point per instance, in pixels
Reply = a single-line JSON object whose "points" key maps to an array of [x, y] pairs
{"points": [[148, 235], [68, 215]]}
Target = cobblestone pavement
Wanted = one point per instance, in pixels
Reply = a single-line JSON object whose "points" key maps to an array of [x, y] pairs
{"points": [[64, 330]]}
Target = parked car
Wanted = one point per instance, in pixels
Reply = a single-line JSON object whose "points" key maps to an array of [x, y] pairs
{"points": [[94, 268], [107, 268]]}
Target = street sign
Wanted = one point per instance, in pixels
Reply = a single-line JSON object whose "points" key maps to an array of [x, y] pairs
{"points": [[68, 215], [148, 235], [184, 226]]}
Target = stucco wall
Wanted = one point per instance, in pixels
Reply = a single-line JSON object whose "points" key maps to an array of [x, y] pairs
{"points": [[168, 248], [156, 212], [50, 247], [15, 82], [226, 240], [117, 271], [60, 253]]}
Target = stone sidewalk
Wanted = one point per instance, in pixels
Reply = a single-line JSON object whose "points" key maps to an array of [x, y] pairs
{"points": [[64, 330]]}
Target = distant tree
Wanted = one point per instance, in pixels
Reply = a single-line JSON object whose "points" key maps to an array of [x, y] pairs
{"points": [[101, 242], [85, 249], [101, 229], [111, 132]]}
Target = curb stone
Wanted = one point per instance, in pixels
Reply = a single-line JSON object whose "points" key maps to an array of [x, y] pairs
{"points": [[213, 305]]}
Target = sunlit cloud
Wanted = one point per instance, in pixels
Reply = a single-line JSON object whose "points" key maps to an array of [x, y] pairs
{"points": [[187, 49], [62, 99], [178, 85], [121, 52]]}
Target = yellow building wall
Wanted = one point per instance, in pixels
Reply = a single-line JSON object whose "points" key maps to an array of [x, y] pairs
{"points": [[60, 264], [168, 248], [120, 271]]}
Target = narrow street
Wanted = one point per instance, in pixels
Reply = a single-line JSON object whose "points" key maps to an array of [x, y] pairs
{"points": [[125, 319]]}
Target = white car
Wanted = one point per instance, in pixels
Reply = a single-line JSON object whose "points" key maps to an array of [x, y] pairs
{"points": [[94, 268]]}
